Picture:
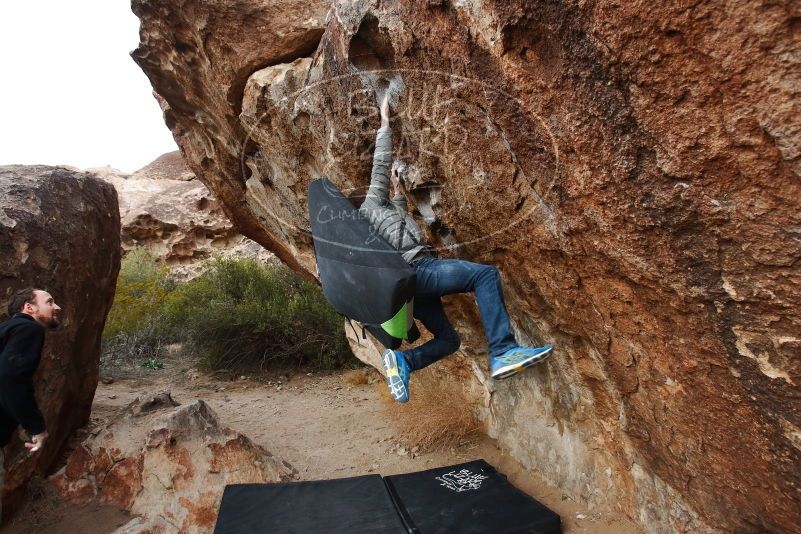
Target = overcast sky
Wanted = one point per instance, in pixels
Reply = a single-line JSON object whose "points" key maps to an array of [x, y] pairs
{"points": [[69, 91]]}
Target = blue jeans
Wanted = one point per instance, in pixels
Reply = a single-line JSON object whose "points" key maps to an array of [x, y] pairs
{"points": [[437, 277]]}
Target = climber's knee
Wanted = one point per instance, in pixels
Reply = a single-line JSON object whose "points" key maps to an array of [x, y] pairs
{"points": [[490, 272], [451, 342]]}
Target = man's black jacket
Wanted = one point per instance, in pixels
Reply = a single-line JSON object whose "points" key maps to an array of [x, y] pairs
{"points": [[21, 340]]}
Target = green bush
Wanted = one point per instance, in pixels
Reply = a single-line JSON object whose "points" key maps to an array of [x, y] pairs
{"points": [[237, 315], [142, 287], [153, 364], [241, 315], [134, 329]]}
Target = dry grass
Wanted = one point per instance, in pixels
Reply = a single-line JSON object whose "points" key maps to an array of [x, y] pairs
{"points": [[359, 377], [437, 416]]}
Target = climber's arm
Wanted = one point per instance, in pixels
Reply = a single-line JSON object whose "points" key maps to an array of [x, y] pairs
{"points": [[378, 194]]}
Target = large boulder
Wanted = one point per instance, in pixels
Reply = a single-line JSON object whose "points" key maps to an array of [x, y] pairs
{"points": [[633, 171], [166, 463], [59, 230], [166, 210], [219, 45]]}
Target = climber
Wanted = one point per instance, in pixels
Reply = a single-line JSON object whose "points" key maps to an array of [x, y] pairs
{"points": [[436, 277], [21, 341]]}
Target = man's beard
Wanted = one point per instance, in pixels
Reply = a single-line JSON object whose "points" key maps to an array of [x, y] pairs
{"points": [[53, 322]]}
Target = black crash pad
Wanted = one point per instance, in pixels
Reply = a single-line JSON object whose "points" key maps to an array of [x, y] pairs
{"points": [[465, 499], [468, 498], [347, 505]]}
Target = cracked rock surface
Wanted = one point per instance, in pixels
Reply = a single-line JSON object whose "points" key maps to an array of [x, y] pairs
{"points": [[632, 170]]}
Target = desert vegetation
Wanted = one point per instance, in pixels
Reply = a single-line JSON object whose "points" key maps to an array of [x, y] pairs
{"points": [[238, 316], [242, 317], [438, 415]]}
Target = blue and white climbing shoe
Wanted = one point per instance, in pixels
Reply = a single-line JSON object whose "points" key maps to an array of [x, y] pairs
{"points": [[515, 360], [397, 371]]}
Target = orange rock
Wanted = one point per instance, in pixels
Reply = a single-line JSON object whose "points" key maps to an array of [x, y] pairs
{"points": [[202, 512], [122, 483], [78, 492], [174, 462], [79, 464], [103, 463]]}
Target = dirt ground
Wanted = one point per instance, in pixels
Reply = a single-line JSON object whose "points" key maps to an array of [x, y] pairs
{"points": [[322, 424]]}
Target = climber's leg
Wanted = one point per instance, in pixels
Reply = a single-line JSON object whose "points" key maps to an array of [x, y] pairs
{"points": [[437, 277], [445, 341]]}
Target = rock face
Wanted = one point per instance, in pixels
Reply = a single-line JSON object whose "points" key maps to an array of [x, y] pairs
{"points": [[221, 59], [167, 464], [59, 230], [632, 170], [167, 211]]}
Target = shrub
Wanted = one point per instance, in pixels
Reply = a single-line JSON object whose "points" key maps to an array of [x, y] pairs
{"points": [[153, 364], [437, 416], [133, 328], [240, 314]]}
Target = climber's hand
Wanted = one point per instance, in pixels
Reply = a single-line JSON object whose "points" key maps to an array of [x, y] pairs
{"points": [[385, 107], [397, 184]]}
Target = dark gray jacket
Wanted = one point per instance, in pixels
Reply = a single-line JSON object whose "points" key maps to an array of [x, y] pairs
{"points": [[390, 218]]}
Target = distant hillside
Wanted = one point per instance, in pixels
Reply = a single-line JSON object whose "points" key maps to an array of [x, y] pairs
{"points": [[169, 166]]}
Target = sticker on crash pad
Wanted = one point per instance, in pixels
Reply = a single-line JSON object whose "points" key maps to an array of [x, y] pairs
{"points": [[459, 481]]}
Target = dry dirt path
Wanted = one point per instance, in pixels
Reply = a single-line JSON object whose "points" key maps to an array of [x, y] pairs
{"points": [[323, 425]]}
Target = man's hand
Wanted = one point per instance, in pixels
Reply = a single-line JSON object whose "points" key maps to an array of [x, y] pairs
{"points": [[36, 442], [398, 188], [385, 109]]}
